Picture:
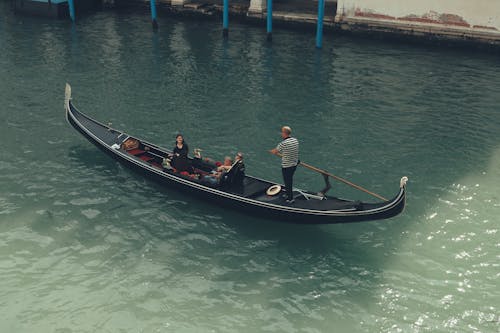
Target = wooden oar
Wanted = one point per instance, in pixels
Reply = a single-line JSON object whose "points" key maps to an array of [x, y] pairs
{"points": [[345, 181]]}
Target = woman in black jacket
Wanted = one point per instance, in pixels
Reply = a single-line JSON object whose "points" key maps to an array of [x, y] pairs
{"points": [[180, 159], [181, 148]]}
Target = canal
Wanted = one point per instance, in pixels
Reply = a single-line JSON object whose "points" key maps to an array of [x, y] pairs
{"points": [[87, 246]]}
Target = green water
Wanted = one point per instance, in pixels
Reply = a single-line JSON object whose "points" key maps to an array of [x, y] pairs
{"points": [[87, 246]]}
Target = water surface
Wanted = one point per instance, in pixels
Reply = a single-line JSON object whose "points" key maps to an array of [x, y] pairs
{"points": [[87, 246]]}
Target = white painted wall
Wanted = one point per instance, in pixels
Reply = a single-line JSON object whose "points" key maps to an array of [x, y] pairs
{"points": [[475, 12], [258, 6]]}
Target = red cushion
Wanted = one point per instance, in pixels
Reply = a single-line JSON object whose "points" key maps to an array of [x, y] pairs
{"points": [[218, 164]]}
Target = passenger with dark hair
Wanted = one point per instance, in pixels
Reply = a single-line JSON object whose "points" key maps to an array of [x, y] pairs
{"points": [[181, 148], [180, 160]]}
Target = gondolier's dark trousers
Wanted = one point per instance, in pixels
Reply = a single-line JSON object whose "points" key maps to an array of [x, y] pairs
{"points": [[288, 180]]}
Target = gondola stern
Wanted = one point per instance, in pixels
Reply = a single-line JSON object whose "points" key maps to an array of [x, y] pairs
{"points": [[398, 203], [67, 96], [402, 185], [67, 99], [400, 200], [403, 181]]}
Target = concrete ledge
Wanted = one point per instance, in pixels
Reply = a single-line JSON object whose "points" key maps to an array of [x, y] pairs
{"points": [[302, 18], [178, 2], [431, 31]]}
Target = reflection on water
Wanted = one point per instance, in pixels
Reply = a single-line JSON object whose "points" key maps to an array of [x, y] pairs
{"points": [[87, 245]]}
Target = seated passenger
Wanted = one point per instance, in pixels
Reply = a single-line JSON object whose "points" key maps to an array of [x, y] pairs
{"points": [[219, 171], [236, 173], [228, 163]]}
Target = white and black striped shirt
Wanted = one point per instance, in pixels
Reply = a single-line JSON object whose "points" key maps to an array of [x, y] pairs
{"points": [[289, 150]]}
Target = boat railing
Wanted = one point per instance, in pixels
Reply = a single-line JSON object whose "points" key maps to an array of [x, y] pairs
{"points": [[310, 196]]}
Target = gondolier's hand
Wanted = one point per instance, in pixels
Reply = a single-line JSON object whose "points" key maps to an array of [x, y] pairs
{"points": [[274, 151]]}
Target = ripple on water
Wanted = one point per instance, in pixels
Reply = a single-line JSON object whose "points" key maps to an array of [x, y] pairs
{"points": [[91, 213], [7, 207], [88, 201], [456, 233], [87, 245]]}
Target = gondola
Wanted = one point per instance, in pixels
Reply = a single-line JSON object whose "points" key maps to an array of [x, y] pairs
{"points": [[251, 196]]}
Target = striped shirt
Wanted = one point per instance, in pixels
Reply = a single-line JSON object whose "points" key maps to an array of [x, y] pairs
{"points": [[289, 150]]}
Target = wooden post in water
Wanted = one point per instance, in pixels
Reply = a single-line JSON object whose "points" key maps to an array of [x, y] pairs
{"points": [[269, 20], [319, 28], [71, 6], [153, 15], [225, 19]]}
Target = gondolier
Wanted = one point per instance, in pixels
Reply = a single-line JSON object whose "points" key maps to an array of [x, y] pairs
{"points": [[289, 151]]}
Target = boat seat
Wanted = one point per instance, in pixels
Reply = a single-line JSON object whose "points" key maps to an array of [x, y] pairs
{"points": [[136, 151], [156, 155], [200, 172], [181, 163], [235, 175], [157, 165], [146, 158]]}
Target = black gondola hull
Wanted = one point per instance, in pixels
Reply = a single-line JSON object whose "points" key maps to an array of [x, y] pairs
{"points": [[248, 207]]}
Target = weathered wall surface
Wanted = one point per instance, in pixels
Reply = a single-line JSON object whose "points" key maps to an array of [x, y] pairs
{"points": [[479, 18]]}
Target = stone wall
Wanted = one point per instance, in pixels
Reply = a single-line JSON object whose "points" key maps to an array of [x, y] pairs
{"points": [[466, 18]]}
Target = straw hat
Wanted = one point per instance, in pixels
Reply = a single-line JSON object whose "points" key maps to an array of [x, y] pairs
{"points": [[273, 190]]}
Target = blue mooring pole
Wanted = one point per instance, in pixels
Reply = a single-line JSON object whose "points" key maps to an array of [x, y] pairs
{"points": [[153, 15], [71, 6], [269, 20], [225, 19], [319, 29]]}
